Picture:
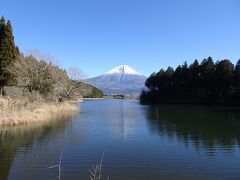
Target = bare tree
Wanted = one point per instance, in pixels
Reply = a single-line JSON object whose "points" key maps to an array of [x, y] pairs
{"points": [[40, 55], [47, 79], [72, 85], [33, 75]]}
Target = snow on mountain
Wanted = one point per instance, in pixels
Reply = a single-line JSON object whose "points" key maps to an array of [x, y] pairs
{"points": [[119, 80], [123, 69]]}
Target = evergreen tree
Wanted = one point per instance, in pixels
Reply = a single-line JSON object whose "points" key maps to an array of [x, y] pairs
{"points": [[237, 76], [149, 83], [194, 72], [2, 25], [207, 67], [224, 75], [7, 52], [18, 51], [237, 67]]}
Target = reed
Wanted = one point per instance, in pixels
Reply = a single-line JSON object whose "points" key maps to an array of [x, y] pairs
{"points": [[59, 165], [95, 173], [21, 111]]}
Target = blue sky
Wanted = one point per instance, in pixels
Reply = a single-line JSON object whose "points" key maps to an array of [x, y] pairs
{"points": [[97, 35]]}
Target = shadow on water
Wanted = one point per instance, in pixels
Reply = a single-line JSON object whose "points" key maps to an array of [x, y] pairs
{"points": [[207, 127], [14, 138]]}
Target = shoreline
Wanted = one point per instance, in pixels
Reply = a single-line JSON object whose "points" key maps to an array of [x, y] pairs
{"points": [[15, 112], [92, 98]]}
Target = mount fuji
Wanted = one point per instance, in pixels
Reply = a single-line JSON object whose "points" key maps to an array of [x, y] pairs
{"points": [[119, 80]]}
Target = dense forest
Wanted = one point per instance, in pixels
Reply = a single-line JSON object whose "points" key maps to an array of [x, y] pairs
{"points": [[205, 83], [34, 78]]}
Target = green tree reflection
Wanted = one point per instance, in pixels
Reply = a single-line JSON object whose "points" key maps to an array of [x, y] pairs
{"points": [[207, 127]]}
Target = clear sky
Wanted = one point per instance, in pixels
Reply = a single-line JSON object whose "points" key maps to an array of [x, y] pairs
{"points": [[97, 35]]}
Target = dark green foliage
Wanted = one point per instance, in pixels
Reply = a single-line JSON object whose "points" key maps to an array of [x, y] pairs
{"points": [[17, 50], [207, 83], [96, 93], [8, 52], [237, 75]]}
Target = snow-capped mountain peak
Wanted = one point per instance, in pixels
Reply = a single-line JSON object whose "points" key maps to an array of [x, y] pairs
{"points": [[119, 80], [122, 69]]}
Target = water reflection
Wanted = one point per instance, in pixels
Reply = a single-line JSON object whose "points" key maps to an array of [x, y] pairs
{"points": [[205, 127], [141, 142], [12, 139], [124, 117]]}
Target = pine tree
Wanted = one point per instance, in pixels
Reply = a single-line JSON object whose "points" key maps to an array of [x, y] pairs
{"points": [[7, 52], [2, 23], [2, 29], [237, 75]]}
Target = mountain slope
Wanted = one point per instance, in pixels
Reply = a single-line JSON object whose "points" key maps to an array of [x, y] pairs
{"points": [[119, 80], [89, 91]]}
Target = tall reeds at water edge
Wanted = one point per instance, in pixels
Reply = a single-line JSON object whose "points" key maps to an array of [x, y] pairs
{"points": [[22, 111]]}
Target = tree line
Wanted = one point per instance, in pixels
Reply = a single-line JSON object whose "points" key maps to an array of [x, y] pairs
{"points": [[36, 77], [207, 82]]}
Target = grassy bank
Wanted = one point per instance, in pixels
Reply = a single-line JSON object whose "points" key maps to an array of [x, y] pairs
{"points": [[20, 111]]}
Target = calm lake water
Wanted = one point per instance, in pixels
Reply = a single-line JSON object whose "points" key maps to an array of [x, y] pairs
{"points": [[140, 142]]}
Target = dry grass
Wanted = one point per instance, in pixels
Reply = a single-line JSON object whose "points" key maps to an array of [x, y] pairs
{"points": [[96, 171], [20, 111]]}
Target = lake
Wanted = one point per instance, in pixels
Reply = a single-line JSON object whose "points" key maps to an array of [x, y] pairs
{"points": [[139, 142]]}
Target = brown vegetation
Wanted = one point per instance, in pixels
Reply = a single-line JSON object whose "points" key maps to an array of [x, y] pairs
{"points": [[22, 111], [34, 89]]}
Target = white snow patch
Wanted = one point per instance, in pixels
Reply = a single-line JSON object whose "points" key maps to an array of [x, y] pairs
{"points": [[123, 69]]}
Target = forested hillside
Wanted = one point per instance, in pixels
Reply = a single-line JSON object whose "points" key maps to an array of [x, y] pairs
{"points": [[204, 83]]}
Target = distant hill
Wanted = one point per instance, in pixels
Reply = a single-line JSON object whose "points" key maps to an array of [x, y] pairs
{"points": [[119, 80], [89, 91]]}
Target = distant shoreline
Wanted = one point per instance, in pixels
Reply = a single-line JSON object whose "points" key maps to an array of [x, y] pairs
{"points": [[112, 97], [92, 98]]}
